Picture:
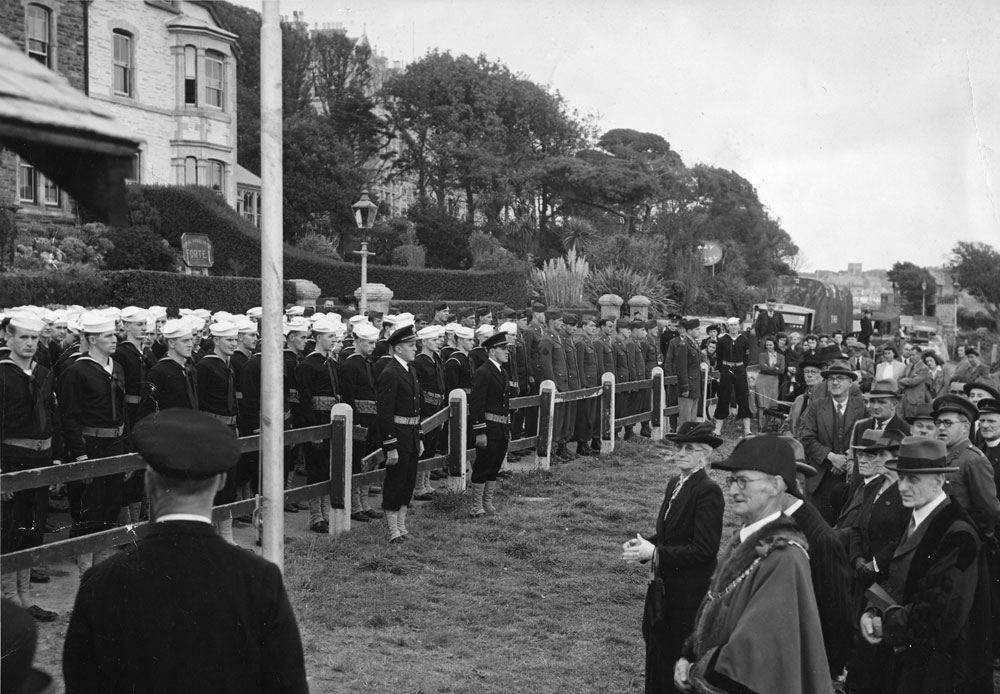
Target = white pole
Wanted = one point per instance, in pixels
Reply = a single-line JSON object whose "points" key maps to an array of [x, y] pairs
{"points": [[364, 277], [272, 432]]}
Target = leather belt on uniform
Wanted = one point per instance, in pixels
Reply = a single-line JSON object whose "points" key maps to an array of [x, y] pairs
{"points": [[293, 395], [324, 402], [432, 398], [733, 363], [498, 418], [229, 421], [132, 399], [30, 444], [365, 406], [406, 421], [103, 432]]}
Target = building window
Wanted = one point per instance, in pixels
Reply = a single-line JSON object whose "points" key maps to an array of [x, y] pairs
{"points": [[190, 75], [216, 176], [51, 192], [190, 171], [39, 33], [123, 67], [214, 63], [27, 182], [136, 176]]}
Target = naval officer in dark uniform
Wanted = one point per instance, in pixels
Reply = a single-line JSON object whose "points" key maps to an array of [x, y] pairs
{"points": [[489, 415], [182, 610]]}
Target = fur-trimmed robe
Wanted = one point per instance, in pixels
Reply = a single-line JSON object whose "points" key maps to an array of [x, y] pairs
{"points": [[758, 628]]}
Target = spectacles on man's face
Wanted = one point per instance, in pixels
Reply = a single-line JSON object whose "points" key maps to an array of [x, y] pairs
{"points": [[687, 448], [946, 423], [742, 482]]}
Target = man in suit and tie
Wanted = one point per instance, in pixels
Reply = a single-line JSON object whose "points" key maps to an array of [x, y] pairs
{"points": [[825, 432], [182, 610], [489, 418], [769, 321], [687, 360], [930, 577], [683, 552], [914, 381]]}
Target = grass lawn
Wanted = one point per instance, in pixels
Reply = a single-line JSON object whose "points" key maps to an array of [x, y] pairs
{"points": [[534, 600]]}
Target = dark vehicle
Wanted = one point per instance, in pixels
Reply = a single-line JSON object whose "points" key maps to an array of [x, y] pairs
{"points": [[832, 308]]}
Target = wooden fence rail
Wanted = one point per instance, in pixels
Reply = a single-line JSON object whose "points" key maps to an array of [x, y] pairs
{"points": [[339, 487]]}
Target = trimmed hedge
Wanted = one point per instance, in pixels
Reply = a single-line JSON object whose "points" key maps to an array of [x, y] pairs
{"points": [[138, 287], [236, 246], [427, 307]]}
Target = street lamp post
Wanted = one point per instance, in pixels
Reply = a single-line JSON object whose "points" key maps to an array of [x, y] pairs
{"points": [[365, 212], [923, 297]]}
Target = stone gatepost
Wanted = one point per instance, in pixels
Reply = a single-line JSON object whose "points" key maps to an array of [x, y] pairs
{"points": [[611, 306], [379, 297], [639, 305], [306, 292]]}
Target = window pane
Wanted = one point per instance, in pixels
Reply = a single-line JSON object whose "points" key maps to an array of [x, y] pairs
{"points": [[51, 192], [37, 33], [213, 81], [190, 171], [122, 63], [27, 182], [215, 170], [190, 75]]}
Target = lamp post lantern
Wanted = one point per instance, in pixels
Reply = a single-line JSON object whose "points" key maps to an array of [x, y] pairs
{"points": [[923, 297], [365, 212]]}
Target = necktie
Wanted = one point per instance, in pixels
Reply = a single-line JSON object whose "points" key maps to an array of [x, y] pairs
{"points": [[910, 528], [840, 410], [879, 425]]}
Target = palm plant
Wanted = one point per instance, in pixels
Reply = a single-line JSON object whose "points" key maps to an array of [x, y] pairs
{"points": [[561, 280]]}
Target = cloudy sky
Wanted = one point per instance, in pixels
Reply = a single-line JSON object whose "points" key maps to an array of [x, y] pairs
{"points": [[871, 128]]}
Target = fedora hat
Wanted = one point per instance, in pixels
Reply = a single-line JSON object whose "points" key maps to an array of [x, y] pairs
{"points": [[883, 388], [922, 411], [879, 440], [800, 456], [696, 432], [765, 453], [955, 403], [921, 456], [839, 367]]}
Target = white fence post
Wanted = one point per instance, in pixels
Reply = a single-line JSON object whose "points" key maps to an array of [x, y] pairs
{"points": [[608, 413], [341, 455]]}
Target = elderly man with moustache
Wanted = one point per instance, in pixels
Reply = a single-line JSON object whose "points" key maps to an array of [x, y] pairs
{"points": [[919, 613], [683, 552], [760, 599]]}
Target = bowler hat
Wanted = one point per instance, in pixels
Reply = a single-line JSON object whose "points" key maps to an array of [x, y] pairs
{"points": [[955, 403], [922, 456], [765, 453], [164, 440], [922, 411], [988, 406], [839, 367], [979, 385], [883, 388], [696, 432]]}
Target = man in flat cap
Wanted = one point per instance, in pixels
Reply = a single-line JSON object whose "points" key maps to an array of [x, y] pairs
{"points": [[760, 592], [919, 612], [181, 610], [489, 418], [398, 408]]}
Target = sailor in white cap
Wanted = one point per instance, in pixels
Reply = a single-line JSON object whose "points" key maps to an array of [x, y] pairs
{"points": [[91, 403], [158, 349], [357, 389], [458, 368], [478, 355], [733, 357], [429, 368], [296, 331], [129, 354], [319, 391], [172, 381], [30, 439], [216, 386]]}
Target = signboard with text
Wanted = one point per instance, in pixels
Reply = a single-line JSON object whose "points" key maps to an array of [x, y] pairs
{"points": [[197, 250]]}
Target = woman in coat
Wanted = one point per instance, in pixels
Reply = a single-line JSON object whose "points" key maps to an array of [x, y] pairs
{"points": [[681, 553], [772, 368]]}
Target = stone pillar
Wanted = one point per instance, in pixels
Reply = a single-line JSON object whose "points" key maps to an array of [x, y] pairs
{"points": [[639, 304], [306, 293], [611, 306], [379, 297]]}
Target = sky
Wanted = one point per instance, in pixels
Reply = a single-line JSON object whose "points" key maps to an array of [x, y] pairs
{"points": [[870, 128]]}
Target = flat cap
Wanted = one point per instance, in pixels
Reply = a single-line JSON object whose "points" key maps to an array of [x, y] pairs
{"points": [[186, 444]]}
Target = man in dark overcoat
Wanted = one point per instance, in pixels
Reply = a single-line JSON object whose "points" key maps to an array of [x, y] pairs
{"points": [[489, 418]]}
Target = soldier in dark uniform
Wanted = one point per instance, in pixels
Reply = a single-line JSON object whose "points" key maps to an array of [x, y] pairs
{"points": [[430, 372], [217, 398], [441, 314], [458, 368], [687, 365], [531, 334], [636, 372], [588, 412], [648, 357], [570, 328], [398, 408], [30, 437], [319, 390], [605, 352], [552, 367], [91, 402], [172, 382], [670, 331], [619, 333], [357, 389], [489, 416], [734, 355]]}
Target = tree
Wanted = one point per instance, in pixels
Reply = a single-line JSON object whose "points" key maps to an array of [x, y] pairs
{"points": [[916, 285], [975, 266]]}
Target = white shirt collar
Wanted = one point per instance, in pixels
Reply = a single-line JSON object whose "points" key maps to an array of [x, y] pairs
{"points": [[183, 517], [748, 530], [496, 364], [401, 361], [993, 444], [796, 505], [920, 514]]}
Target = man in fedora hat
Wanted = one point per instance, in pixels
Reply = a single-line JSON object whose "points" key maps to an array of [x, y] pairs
{"points": [[930, 577], [921, 421], [761, 591], [825, 431], [883, 405], [683, 552]]}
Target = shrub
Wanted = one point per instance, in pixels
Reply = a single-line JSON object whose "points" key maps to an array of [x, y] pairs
{"points": [[139, 248], [409, 255], [319, 246], [561, 280], [427, 307], [71, 286], [626, 283]]}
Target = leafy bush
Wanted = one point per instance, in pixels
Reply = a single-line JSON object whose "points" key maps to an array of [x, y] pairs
{"points": [[626, 283], [139, 248], [445, 238], [409, 255], [561, 280], [319, 246], [82, 286], [640, 253]]}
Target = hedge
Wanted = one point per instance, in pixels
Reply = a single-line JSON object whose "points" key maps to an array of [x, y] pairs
{"points": [[138, 287], [236, 246], [427, 307]]}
